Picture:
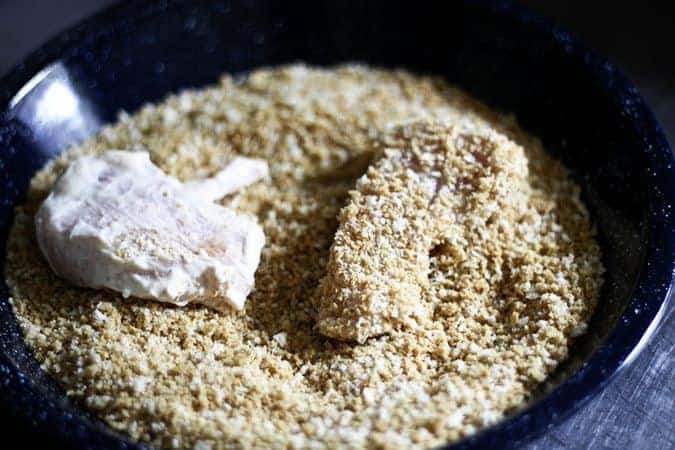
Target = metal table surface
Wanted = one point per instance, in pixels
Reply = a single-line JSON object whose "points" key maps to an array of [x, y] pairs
{"points": [[637, 410]]}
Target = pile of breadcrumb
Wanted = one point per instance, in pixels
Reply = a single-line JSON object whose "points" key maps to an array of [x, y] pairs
{"points": [[507, 295]]}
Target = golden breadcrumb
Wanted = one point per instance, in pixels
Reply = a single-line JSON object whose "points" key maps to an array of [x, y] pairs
{"points": [[504, 297]]}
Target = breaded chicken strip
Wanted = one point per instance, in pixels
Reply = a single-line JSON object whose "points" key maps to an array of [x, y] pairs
{"points": [[428, 182]]}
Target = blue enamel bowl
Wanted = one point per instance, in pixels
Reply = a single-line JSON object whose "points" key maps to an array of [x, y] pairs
{"points": [[585, 111]]}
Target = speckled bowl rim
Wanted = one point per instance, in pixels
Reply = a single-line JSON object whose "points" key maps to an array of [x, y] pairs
{"points": [[638, 323]]}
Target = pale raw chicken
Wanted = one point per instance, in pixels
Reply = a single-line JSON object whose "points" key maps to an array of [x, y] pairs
{"points": [[117, 221]]}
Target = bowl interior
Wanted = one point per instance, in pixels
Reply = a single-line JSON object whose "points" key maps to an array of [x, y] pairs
{"points": [[585, 113]]}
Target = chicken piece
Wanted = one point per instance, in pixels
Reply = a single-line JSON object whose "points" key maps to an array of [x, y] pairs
{"points": [[117, 221], [427, 183]]}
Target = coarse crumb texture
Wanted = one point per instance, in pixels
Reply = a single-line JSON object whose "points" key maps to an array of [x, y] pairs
{"points": [[432, 184], [506, 296]]}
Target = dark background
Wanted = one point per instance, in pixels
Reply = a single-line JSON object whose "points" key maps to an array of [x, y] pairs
{"points": [[638, 409]]}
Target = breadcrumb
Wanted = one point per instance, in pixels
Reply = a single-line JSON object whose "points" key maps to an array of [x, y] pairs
{"points": [[505, 310]]}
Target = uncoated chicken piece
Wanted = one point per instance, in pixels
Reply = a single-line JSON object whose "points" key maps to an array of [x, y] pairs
{"points": [[428, 182], [117, 221]]}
